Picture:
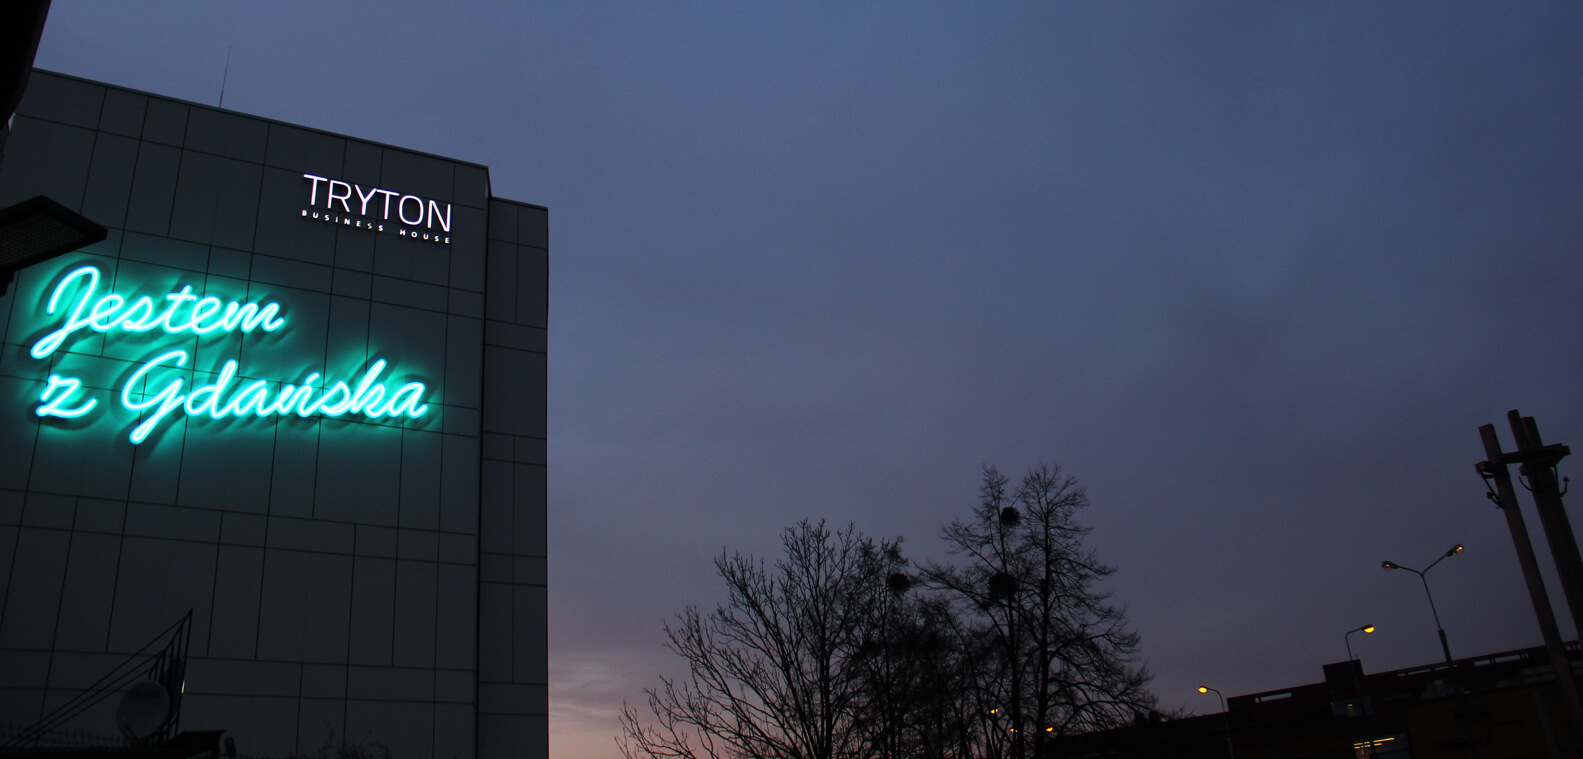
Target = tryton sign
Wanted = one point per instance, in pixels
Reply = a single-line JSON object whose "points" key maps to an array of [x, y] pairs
{"points": [[158, 389], [352, 205]]}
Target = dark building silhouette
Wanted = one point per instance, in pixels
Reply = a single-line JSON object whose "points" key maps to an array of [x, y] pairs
{"points": [[298, 390], [1501, 706]]}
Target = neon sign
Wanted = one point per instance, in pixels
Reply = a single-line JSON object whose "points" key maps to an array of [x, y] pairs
{"points": [[113, 312], [158, 388], [419, 217]]}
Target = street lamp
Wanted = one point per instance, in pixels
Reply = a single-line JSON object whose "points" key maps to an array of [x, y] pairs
{"points": [[1366, 629], [1456, 549], [1357, 669], [1230, 752]]}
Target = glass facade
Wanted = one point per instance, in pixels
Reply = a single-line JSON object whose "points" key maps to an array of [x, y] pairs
{"points": [[347, 489]]}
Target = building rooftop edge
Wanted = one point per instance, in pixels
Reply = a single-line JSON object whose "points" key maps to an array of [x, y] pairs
{"points": [[217, 109]]}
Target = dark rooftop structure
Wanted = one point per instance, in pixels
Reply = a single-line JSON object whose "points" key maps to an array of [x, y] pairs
{"points": [[1494, 706]]}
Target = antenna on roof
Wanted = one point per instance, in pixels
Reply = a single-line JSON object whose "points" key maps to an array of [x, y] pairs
{"points": [[225, 76]]}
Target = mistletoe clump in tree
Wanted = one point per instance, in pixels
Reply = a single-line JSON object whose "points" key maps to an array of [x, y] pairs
{"points": [[838, 651], [1057, 656]]}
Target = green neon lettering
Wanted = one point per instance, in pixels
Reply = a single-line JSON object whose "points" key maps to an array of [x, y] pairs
{"points": [[249, 399], [103, 316], [163, 385], [136, 318], [68, 387], [249, 316], [214, 401], [364, 396], [281, 405], [167, 400], [300, 398], [206, 398], [111, 311], [406, 401], [324, 407], [205, 307], [47, 344], [176, 299]]}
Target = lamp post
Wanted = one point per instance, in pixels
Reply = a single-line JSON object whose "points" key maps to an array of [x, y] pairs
{"points": [[1366, 629], [1456, 549], [1357, 668], [1224, 720]]}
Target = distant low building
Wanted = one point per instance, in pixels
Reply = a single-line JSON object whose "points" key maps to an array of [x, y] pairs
{"points": [[1501, 706]]}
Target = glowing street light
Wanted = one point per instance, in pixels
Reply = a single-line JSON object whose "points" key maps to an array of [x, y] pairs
{"points": [[1366, 629], [1456, 549], [1230, 752], [1357, 669]]}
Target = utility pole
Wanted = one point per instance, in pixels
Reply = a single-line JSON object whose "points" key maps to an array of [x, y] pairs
{"points": [[1538, 464], [1498, 479]]}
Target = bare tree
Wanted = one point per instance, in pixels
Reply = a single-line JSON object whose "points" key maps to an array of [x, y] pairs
{"points": [[919, 675], [781, 669], [1059, 658], [928, 697], [836, 652]]}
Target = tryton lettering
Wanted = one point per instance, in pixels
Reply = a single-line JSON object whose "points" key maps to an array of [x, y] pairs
{"points": [[423, 218]]}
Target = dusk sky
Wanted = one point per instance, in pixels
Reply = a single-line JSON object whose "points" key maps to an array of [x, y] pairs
{"points": [[1255, 274]]}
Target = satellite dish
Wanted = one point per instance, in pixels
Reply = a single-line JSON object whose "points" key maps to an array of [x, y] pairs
{"points": [[142, 710]]}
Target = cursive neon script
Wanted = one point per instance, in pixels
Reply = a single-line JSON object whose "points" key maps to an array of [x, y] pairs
{"points": [[184, 312], [217, 401], [166, 388], [67, 387]]}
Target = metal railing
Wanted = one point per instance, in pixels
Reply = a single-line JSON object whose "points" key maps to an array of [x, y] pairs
{"points": [[164, 664]]}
